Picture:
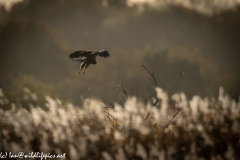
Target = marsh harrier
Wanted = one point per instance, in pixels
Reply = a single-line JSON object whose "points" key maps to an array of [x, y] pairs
{"points": [[86, 57]]}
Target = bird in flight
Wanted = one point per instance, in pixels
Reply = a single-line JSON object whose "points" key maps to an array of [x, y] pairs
{"points": [[86, 57]]}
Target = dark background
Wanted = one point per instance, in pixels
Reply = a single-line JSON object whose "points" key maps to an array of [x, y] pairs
{"points": [[36, 38]]}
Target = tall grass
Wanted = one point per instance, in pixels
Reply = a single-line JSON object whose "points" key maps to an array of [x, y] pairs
{"points": [[176, 128]]}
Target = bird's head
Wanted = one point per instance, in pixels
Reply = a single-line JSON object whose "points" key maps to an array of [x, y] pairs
{"points": [[102, 53]]}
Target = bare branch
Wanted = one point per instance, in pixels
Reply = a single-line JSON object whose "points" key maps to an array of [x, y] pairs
{"points": [[180, 76], [151, 74], [107, 104], [121, 88], [173, 118], [147, 116], [111, 105], [109, 117], [103, 100], [154, 126], [108, 114], [156, 102]]}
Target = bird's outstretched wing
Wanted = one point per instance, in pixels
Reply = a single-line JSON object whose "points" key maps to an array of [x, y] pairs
{"points": [[81, 53], [103, 53]]}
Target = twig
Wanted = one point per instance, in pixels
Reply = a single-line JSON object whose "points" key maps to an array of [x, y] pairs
{"points": [[107, 104], [154, 126], [103, 100], [156, 102], [147, 116], [152, 75], [180, 76], [108, 114], [173, 118], [112, 106], [110, 118], [121, 88]]}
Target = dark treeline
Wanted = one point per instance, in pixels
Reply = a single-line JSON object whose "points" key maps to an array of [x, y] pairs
{"points": [[37, 37]]}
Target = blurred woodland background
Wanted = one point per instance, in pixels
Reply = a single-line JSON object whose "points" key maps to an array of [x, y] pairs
{"points": [[36, 38]]}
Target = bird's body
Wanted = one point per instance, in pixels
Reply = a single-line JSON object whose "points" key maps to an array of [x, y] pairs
{"points": [[86, 57]]}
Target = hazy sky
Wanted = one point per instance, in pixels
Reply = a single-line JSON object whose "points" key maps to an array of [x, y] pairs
{"points": [[196, 43]]}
